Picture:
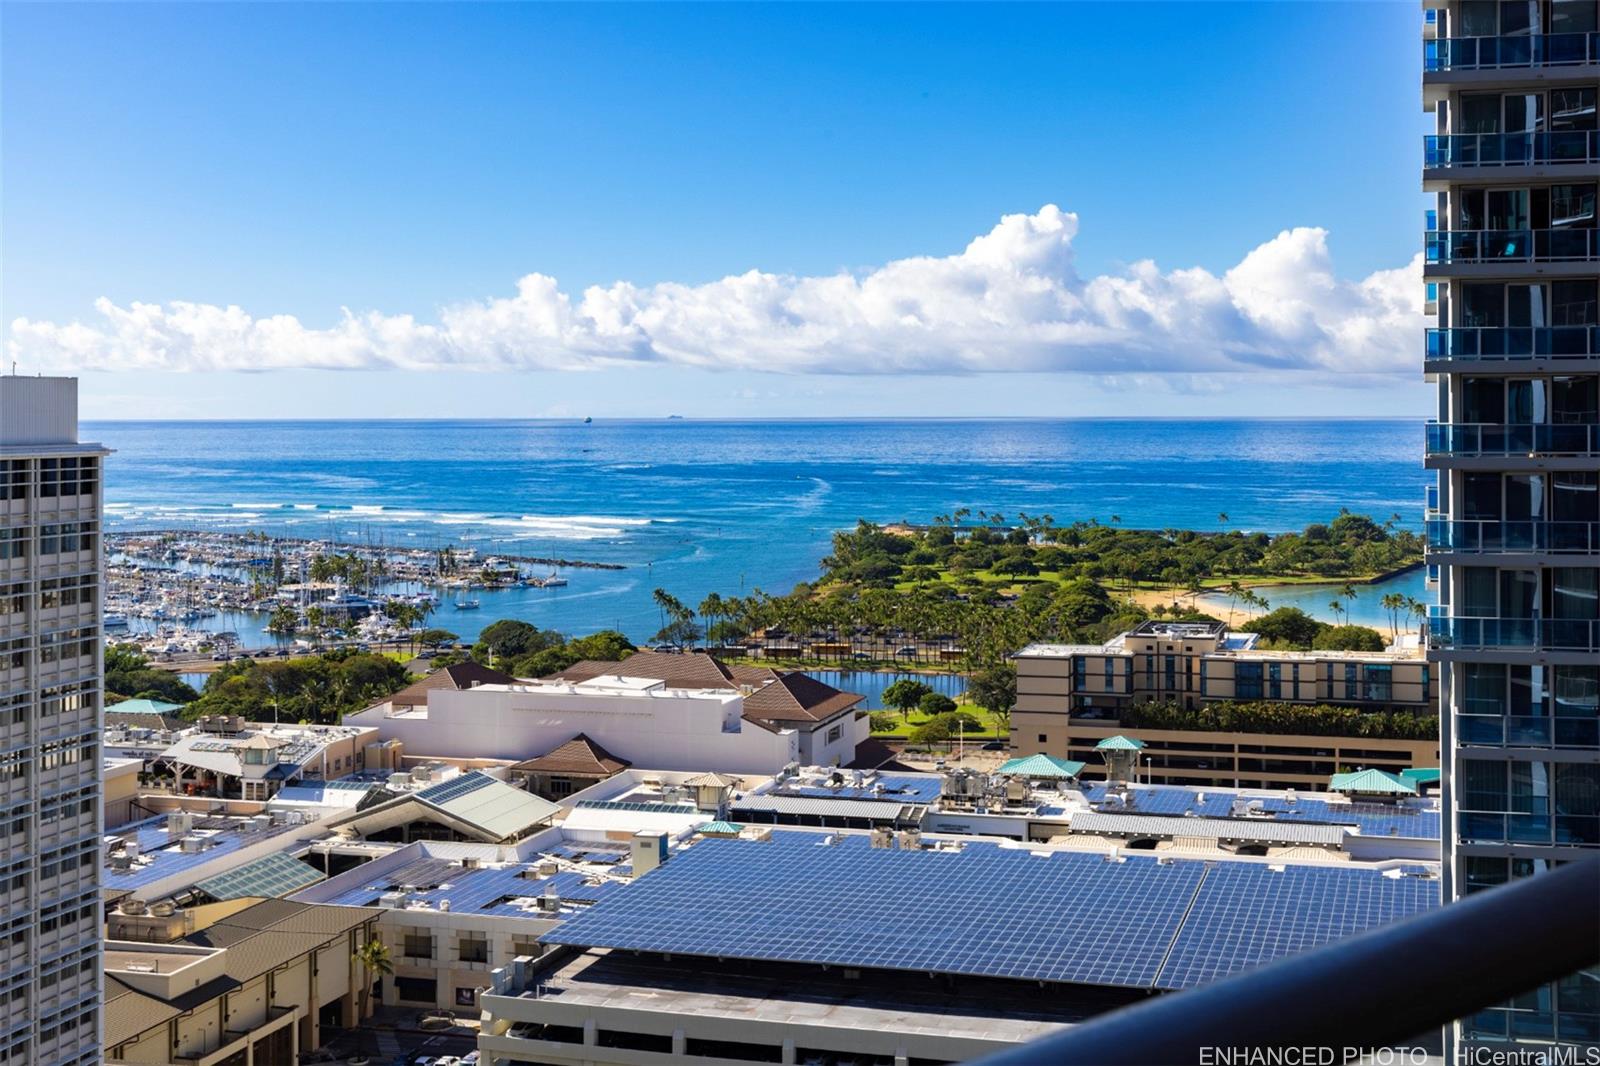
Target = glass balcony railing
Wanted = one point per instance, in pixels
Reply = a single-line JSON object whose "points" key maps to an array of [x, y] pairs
{"points": [[1528, 731], [1578, 538], [1494, 53], [1511, 245], [1509, 149], [1494, 438], [1514, 342], [1528, 634]]}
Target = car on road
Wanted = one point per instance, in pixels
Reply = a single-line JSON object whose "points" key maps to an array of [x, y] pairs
{"points": [[221, 657]]}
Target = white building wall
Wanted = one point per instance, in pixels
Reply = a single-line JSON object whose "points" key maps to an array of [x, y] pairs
{"points": [[664, 729]]}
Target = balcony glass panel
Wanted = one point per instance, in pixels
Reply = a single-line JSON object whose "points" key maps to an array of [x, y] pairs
{"points": [[1580, 538], [1493, 438], [1510, 245], [1510, 149], [1488, 53]]}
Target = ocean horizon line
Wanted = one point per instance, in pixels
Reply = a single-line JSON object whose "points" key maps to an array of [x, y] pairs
{"points": [[782, 420]]}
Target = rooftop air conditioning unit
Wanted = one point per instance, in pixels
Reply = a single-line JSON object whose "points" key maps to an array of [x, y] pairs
{"points": [[550, 902], [548, 869], [131, 849], [179, 823], [392, 899], [192, 844], [121, 861], [444, 905], [164, 909], [133, 906]]}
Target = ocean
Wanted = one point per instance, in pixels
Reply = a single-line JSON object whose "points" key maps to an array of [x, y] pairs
{"points": [[730, 506]]}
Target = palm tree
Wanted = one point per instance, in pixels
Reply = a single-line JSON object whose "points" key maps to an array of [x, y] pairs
{"points": [[1393, 602], [1335, 606], [1222, 517], [373, 958]]}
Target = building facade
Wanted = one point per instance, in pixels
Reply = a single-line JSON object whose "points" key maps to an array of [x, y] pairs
{"points": [[1514, 532], [1071, 697], [50, 706]]}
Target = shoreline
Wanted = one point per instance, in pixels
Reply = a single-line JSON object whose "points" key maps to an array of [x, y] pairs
{"points": [[245, 537]]}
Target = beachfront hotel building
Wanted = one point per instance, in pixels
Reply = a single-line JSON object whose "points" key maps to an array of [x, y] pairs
{"points": [[1072, 696], [1513, 276], [50, 700]]}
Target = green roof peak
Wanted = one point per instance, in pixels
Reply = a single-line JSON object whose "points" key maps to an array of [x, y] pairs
{"points": [[1120, 743], [1042, 766], [1372, 781]]}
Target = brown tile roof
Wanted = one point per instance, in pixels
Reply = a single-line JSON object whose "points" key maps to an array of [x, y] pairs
{"points": [[798, 698], [876, 755], [580, 755], [754, 675], [455, 676], [678, 671]]}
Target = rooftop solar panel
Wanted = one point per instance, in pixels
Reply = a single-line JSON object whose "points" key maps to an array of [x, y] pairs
{"points": [[1248, 914], [270, 876], [1062, 917], [456, 787]]}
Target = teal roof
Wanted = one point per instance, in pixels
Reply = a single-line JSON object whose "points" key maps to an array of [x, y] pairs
{"points": [[1120, 743], [718, 827], [1372, 781], [143, 707], [1042, 766], [1420, 776]]}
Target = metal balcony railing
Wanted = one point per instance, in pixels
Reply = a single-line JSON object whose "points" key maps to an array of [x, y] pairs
{"points": [[1469, 439], [1511, 245], [1498, 53], [1578, 538], [1469, 343], [1443, 150], [1381, 988], [1523, 634]]}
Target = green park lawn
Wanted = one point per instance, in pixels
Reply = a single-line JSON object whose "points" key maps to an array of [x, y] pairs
{"points": [[993, 727]]}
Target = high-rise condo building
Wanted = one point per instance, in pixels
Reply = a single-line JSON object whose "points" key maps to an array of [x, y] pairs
{"points": [[1512, 269], [50, 707]]}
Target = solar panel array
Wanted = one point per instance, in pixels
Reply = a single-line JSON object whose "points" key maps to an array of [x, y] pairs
{"points": [[638, 806], [1371, 819], [987, 911], [480, 891], [270, 876], [895, 788], [162, 855], [455, 788]]}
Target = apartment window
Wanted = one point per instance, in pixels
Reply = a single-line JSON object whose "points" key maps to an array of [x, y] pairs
{"points": [[1247, 681], [62, 537], [1043, 739], [418, 946], [1111, 673], [13, 543], [1275, 681], [1080, 673], [1349, 681], [835, 733], [474, 950], [1378, 686], [13, 479]]}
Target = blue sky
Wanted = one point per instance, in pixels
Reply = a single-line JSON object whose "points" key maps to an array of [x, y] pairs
{"points": [[402, 160]]}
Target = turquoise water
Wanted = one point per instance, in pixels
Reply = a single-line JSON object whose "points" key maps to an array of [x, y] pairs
{"points": [[696, 506]]}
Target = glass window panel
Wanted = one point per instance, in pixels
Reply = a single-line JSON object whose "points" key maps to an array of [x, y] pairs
{"points": [[1570, 109], [1574, 303], [1483, 400], [1575, 400], [1480, 114], [1478, 18], [1575, 592], [1519, 592], [1483, 785], [1575, 497], [1577, 789], [1576, 691], [1574, 16], [1479, 592], [1480, 497]]}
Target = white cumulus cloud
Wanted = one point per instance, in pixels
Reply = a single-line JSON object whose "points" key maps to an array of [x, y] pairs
{"points": [[1010, 301]]}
